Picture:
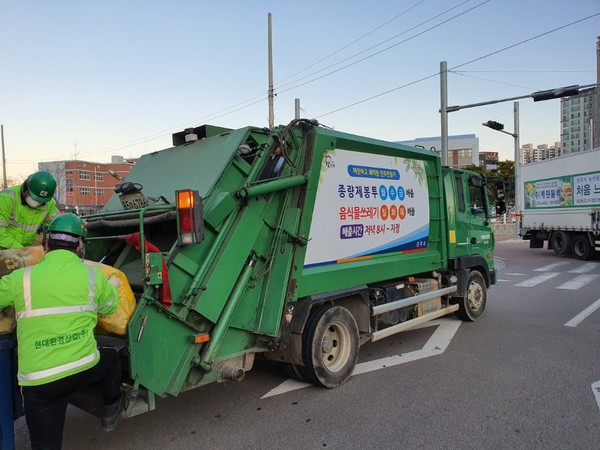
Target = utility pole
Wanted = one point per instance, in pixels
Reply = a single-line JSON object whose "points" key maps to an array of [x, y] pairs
{"points": [[4, 183], [271, 95], [95, 188], [297, 108], [444, 110], [517, 214]]}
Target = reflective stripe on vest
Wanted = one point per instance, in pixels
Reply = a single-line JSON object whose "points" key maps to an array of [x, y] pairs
{"points": [[58, 369], [37, 312], [13, 222]]}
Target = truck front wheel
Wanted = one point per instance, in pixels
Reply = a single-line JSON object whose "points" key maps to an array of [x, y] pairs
{"points": [[472, 306], [560, 242], [330, 345], [582, 249]]}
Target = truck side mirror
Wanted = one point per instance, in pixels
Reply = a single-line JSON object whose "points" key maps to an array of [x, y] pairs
{"points": [[477, 181]]}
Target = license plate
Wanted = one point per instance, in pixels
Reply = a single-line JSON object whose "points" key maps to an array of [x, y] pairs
{"points": [[133, 201]]}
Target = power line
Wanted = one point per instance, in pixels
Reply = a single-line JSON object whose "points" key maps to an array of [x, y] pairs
{"points": [[381, 43], [523, 71], [460, 65], [351, 43], [524, 41], [379, 95], [462, 74], [158, 135], [262, 97], [170, 130]]}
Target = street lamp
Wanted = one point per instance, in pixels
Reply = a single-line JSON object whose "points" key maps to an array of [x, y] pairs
{"points": [[500, 127], [114, 174]]}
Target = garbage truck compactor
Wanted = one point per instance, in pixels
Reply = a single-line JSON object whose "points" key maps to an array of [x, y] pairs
{"points": [[299, 243]]}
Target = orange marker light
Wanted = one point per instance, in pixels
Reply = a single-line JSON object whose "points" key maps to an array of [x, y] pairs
{"points": [[200, 338], [185, 199]]}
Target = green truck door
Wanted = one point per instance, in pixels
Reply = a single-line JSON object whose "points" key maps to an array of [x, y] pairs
{"points": [[477, 212]]}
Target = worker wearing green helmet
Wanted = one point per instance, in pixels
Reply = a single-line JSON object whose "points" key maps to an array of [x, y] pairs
{"points": [[24, 208], [57, 303]]}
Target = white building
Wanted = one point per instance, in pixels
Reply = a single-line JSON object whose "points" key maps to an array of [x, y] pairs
{"points": [[463, 149]]}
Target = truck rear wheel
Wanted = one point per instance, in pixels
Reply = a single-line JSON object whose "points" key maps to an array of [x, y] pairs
{"points": [[330, 345], [293, 371], [472, 306], [560, 242], [582, 249]]}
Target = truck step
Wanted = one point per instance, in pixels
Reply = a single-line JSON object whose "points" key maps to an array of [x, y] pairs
{"points": [[377, 335]]}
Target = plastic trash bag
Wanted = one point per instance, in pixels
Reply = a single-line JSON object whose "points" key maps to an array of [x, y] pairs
{"points": [[116, 323]]}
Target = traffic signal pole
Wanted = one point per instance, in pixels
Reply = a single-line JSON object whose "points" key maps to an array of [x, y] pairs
{"points": [[536, 96]]}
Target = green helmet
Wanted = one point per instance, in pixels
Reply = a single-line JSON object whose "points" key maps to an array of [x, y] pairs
{"points": [[41, 186], [67, 224]]}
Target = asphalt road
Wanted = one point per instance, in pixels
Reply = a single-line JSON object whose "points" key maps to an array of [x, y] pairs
{"points": [[520, 378]]}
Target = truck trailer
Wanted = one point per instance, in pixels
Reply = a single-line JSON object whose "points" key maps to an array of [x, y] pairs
{"points": [[298, 243], [561, 204]]}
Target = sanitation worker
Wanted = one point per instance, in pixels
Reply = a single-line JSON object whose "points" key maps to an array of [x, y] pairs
{"points": [[57, 302], [24, 208]]}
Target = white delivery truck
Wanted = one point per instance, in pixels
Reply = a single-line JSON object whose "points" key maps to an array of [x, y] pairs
{"points": [[560, 200]]}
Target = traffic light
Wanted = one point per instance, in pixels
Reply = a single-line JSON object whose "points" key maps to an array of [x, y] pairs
{"points": [[500, 187], [555, 93], [494, 125]]}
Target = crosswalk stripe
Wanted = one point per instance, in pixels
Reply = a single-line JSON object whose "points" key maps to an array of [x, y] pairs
{"points": [[539, 279], [578, 282], [550, 267], [587, 267]]}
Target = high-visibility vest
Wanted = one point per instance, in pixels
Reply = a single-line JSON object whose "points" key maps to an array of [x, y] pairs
{"points": [[19, 223], [56, 303]]}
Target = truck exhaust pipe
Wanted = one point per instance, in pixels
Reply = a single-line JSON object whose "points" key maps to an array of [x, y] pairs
{"points": [[233, 374]]}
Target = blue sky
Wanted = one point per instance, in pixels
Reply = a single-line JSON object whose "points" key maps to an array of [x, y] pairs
{"points": [[95, 79]]}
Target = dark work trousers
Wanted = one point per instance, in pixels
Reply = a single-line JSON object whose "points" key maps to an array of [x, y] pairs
{"points": [[46, 404]]}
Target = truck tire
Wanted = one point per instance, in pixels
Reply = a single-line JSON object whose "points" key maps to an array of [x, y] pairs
{"points": [[293, 371], [560, 242], [582, 248], [330, 344], [472, 306]]}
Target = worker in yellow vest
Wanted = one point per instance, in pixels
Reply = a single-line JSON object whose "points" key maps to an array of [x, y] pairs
{"points": [[57, 303], [24, 208]]}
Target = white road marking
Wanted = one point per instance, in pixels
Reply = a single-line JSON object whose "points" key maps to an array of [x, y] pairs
{"points": [[549, 267], [539, 279], [583, 315], [596, 391], [578, 282], [515, 273], [436, 345], [587, 267]]}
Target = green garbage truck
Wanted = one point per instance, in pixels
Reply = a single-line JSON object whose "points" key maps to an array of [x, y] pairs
{"points": [[299, 243]]}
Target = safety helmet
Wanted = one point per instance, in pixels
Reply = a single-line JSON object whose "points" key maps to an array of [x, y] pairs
{"points": [[41, 186], [70, 224]]}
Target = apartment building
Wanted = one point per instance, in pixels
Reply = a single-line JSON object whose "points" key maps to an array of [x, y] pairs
{"points": [[580, 117]]}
